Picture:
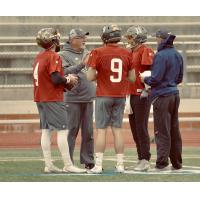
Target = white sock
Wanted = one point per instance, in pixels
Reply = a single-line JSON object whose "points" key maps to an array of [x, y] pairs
{"points": [[99, 158], [120, 159], [46, 146], [64, 147]]}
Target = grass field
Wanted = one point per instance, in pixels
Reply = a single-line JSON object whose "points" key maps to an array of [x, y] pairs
{"points": [[26, 165]]}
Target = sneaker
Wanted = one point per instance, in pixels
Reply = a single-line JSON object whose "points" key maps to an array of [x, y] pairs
{"points": [[143, 165], [52, 169], [95, 170], [73, 169], [89, 166], [132, 166], [119, 168], [167, 168]]}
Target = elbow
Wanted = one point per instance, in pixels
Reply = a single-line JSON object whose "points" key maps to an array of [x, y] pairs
{"points": [[90, 77]]}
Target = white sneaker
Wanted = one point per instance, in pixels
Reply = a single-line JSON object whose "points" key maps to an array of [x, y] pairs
{"points": [[52, 169], [119, 168], [95, 170], [143, 165], [132, 166], [73, 169]]}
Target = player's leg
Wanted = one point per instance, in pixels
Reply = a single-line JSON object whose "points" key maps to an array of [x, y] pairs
{"points": [[132, 122], [57, 119], [116, 121], [46, 140], [141, 111], [102, 119], [87, 139]]}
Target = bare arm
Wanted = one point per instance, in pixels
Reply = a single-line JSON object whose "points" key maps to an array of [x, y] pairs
{"points": [[91, 74], [131, 75]]}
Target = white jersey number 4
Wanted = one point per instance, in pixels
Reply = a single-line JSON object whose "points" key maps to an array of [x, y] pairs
{"points": [[116, 66], [35, 74]]}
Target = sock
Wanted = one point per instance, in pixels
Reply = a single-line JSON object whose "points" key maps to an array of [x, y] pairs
{"points": [[120, 159], [46, 147], [99, 159], [64, 147]]}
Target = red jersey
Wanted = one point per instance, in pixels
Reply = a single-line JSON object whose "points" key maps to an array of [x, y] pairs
{"points": [[142, 59], [44, 65], [112, 64]]}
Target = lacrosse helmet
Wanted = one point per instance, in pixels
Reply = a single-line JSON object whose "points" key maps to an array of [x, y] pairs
{"points": [[139, 33], [47, 37], [111, 33]]}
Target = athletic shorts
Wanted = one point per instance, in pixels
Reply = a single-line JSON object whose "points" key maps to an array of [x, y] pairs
{"points": [[53, 115], [109, 111]]}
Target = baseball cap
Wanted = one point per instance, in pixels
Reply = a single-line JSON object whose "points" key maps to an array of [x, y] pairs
{"points": [[162, 33], [77, 33]]}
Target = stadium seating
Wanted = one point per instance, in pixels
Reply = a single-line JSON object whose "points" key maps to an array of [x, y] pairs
{"points": [[18, 47], [18, 113]]}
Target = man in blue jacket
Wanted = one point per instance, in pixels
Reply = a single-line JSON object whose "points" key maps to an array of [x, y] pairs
{"points": [[167, 73]]}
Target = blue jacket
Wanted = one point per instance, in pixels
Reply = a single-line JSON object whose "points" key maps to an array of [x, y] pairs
{"points": [[167, 70]]}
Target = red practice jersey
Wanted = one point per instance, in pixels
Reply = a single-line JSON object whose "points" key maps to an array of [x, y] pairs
{"points": [[44, 65], [142, 59], [112, 64]]}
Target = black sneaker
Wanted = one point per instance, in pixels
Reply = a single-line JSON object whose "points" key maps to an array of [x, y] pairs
{"points": [[89, 166]]}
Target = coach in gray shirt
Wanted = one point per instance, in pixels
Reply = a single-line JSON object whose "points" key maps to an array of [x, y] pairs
{"points": [[79, 100]]}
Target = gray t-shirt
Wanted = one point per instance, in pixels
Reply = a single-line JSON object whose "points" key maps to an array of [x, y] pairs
{"points": [[85, 90]]}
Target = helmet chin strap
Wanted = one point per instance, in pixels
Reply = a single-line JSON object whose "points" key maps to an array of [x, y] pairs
{"points": [[57, 46], [133, 46], [50, 47]]}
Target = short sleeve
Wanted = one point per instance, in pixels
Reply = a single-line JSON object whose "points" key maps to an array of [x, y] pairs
{"points": [[92, 61], [55, 63], [147, 57]]}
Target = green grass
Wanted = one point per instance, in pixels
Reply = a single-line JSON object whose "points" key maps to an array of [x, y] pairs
{"points": [[26, 165]]}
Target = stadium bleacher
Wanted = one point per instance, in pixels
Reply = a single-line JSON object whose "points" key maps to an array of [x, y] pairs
{"points": [[18, 48]]}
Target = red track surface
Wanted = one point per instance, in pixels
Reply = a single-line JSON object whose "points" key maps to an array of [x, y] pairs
{"points": [[30, 140]]}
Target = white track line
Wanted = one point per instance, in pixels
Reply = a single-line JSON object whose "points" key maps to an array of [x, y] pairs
{"points": [[109, 158]]}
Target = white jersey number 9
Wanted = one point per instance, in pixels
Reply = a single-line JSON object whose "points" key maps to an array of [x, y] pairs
{"points": [[116, 66], [35, 74]]}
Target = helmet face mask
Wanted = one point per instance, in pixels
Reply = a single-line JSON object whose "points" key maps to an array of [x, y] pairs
{"points": [[47, 37], [138, 33], [111, 34]]}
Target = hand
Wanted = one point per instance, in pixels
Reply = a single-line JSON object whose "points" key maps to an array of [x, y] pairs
{"points": [[72, 79], [144, 74]]}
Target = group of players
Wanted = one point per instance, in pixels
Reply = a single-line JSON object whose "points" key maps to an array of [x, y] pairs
{"points": [[67, 81]]}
